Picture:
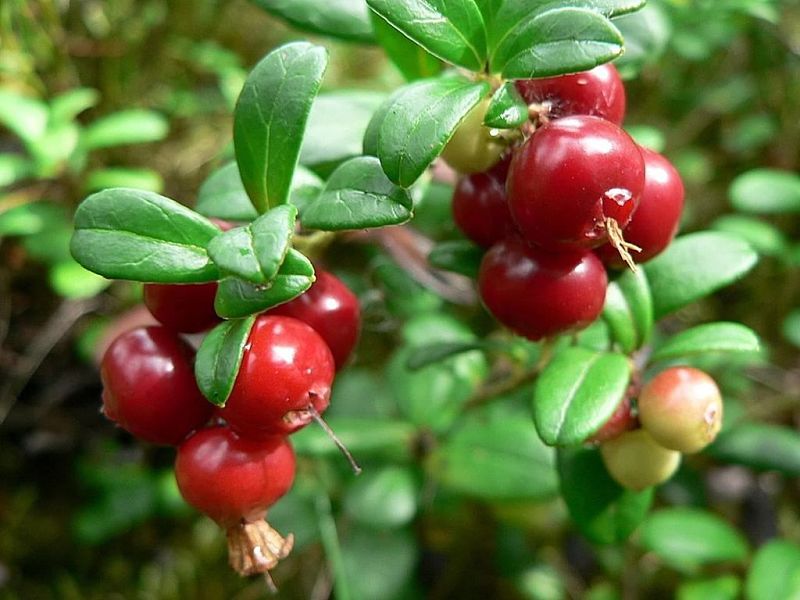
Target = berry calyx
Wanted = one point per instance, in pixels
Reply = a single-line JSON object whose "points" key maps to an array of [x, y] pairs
{"points": [[621, 420], [287, 369], [681, 408], [472, 148], [636, 462], [332, 310], [185, 308], [149, 386], [575, 180], [598, 92], [538, 294]]}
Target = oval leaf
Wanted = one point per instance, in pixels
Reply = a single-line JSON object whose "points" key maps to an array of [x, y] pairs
{"points": [[385, 499], [123, 233], [223, 196], [711, 337], [219, 358], [577, 393], [342, 19], [125, 127], [413, 61], [775, 572], [765, 238], [766, 191], [628, 310], [460, 256], [270, 119], [760, 446], [141, 179], [726, 587], [507, 108]]}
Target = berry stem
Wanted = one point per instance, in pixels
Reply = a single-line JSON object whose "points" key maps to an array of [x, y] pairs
{"points": [[339, 444], [617, 240]]}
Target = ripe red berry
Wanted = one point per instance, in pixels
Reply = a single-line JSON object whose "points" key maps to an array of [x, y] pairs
{"points": [[480, 208], [287, 368], [655, 221], [598, 92], [232, 479], [536, 293], [332, 310], [621, 420], [570, 178], [186, 308], [149, 386]]}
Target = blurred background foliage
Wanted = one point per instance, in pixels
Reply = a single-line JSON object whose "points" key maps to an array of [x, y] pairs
{"points": [[98, 93]]}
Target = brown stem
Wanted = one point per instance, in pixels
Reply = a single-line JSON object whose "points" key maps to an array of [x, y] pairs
{"points": [[339, 444]]}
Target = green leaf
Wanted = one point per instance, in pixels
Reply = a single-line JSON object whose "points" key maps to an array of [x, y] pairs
{"points": [[766, 191], [133, 126], [124, 233], [378, 564], [413, 61], [270, 119], [790, 327], [604, 511], [142, 179], [775, 572], [412, 127], [67, 106], [507, 109], [577, 393], [14, 168], [646, 34], [31, 218], [364, 437], [52, 151], [453, 30], [761, 446], [306, 187], [695, 266], [256, 251], [711, 337], [70, 280], [342, 19], [628, 310], [725, 587], [358, 196], [26, 117], [460, 256], [687, 538], [238, 298], [386, 498], [219, 358], [433, 353], [765, 238]]}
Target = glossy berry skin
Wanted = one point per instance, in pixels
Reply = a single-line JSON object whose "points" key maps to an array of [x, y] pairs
{"points": [[598, 92], [286, 367], [149, 386], [232, 479], [636, 462], [538, 294], [569, 177], [621, 420], [480, 209], [681, 408], [655, 221], [332, 310], [186, 308], [472, 149]]}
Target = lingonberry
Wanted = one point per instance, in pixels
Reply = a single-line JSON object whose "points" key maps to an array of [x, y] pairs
{"points": [[187, 308], [655, 221], [636, 461], [536, 293], [621, 420], [332, 310], [480, 208], [681, 408], [472, 148], [598, 92], [284, 379], [575, 182], [149, 386]]}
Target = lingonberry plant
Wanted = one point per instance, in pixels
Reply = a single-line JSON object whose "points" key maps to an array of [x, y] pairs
{"points": [[527, 109]]}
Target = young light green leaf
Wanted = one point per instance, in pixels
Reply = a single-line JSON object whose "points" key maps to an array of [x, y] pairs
{"points": [[237, 298], [219, 358], [256, 251], [14, 168], [133, 126], [67, 106], [766, 191], [223, 196], [386, 498], [628, 310], [760, 446], [25, 116], [725, 587], [123, 233], [694, 266], [453, 30], [459, 256], [342, 19], [70, 280], [577, 393], [711, 337], [358, 196], [270, 119], [33, 217], [141, 179], [507, 109], [775, 572], [413, 61]]}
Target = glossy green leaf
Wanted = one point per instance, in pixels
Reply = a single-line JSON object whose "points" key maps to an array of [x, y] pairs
{"points": [[67, 106], [223, 196], [378, 564], [270, 119], [25, 116], [766, 191], [123, 233], [256, 251], [70, 280], [412, 127], [141, 179], [764, 237], [306, 187], [14, 168], [687, 538], [775, 572], [695, 266], [453, 30], [358, 196], [364, 437], [710, 337], [134, 126], [507, 109], [385, 498], [603, 511], [725, 587], [219, 358], [342, 19], [413, 61], [628, 310], [577, 393], [761, 446], [791, 328], [460, 256], [237, 298]]}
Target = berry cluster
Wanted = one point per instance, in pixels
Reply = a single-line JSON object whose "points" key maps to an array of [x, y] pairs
{"points": [[232, 463]]}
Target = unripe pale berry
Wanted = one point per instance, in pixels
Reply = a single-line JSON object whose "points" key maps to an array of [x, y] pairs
{"points": [[635, 461], [472, 149]]}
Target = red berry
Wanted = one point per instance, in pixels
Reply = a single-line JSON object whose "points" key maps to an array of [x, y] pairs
{"points": [[286, 368], [655, 221], [149, 386], [621, 421], [536, 293], [332, 310], [186, 308], [598, 92], [570, 177], [232, 479], [480, 208]]}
